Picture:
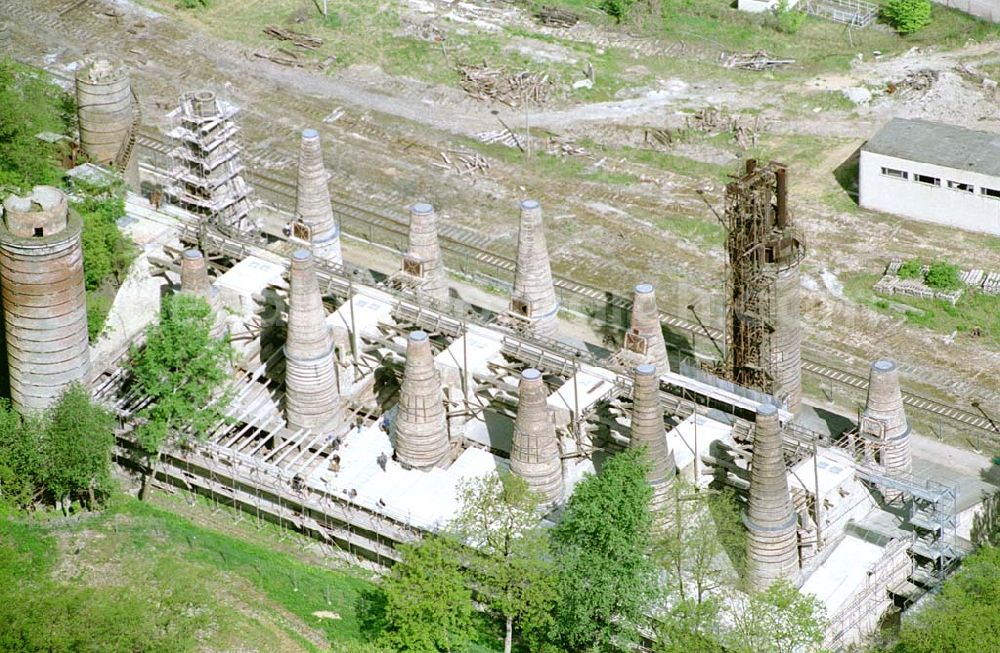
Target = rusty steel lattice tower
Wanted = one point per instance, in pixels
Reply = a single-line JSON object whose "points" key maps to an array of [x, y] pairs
{"points": [[207, 174], [764, 250], [44, 303]]}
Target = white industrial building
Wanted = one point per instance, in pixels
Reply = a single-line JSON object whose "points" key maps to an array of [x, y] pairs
{"points": [[933, 172], [756, 6]]}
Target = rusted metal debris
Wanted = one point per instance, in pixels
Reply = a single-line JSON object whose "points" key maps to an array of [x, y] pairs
{"points": [[759, 60], [305, 41]]}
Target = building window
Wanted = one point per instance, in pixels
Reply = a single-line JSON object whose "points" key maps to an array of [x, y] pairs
{"points": [[990, 192], [924, 179], [957, 185], [898, 174]]}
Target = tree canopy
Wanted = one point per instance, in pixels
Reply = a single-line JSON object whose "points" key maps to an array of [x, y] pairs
{"points": [[964, 617], [60, 455], [79, 438], [605, 577], [511, 565], [30, 104], [428, 603], [181, 369]]}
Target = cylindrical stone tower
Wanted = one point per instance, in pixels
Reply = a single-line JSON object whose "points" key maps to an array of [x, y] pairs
{"points": [[772, 528], [44, 302], [105, 110], [786, 344], [194, 280], [312, 199], [312, 399], [649, 433], [885, 418], [534, 296], [534, 455], [420, 425], [645, 333], [423, 254]]}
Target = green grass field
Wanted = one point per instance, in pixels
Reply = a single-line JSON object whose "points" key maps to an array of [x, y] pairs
{"points": [[140, 578]]}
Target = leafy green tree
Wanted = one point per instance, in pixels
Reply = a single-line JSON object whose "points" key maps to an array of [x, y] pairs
{"points": [[20, 458], [181, 369], [606, 581], [910, 269], [986, 522], [690, 627], [788, 20], [617, 9], [428, 603], [30, 104], [943, 276], [79, 438], [778, 620], [964, 617], [512, 567], [704, 531], [908, 16], [107, 252]]}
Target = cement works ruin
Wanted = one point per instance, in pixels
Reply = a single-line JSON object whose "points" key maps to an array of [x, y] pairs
{"points": [[361, 400]]}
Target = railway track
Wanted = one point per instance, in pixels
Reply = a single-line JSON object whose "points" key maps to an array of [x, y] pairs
{"points": [[466, 243]]}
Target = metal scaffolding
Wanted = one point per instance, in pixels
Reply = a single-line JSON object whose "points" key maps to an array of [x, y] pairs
{"points": [[207, 173]]}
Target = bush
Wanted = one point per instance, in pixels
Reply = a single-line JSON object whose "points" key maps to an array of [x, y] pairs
{"points": [[617, 9], [910, 270], [789, 20], [192, 4], [943, 276], [908, 16]]}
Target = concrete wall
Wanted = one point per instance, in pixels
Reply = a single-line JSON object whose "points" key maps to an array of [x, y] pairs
{"points": [[940, 204], [985, 9]]}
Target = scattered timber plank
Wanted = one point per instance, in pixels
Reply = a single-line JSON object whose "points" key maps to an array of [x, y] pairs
{"points": [[759, 60], [300, 39], [556, 16]]}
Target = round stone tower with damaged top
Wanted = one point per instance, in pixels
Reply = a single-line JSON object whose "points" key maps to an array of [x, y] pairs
{"points": [[534, 454], [312, 200], [44, 302], [107, 115], [533, 300]]}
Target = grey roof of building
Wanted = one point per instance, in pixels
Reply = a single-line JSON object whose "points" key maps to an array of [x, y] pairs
{"points": [[939, 144]]}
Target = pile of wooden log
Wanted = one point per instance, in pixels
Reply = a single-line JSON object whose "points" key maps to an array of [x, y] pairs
{"points": [[759, 60], [556, 16], [463, 162], [304, 41], [484, 82]]}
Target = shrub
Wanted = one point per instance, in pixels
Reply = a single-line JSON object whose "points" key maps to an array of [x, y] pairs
{"points": [[617, 9], [908, 16], [943, 276], [910, 270], [192, 4], [789, 20]]}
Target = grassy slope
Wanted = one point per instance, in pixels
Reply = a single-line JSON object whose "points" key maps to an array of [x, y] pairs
{"points": [[218, 591]]}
